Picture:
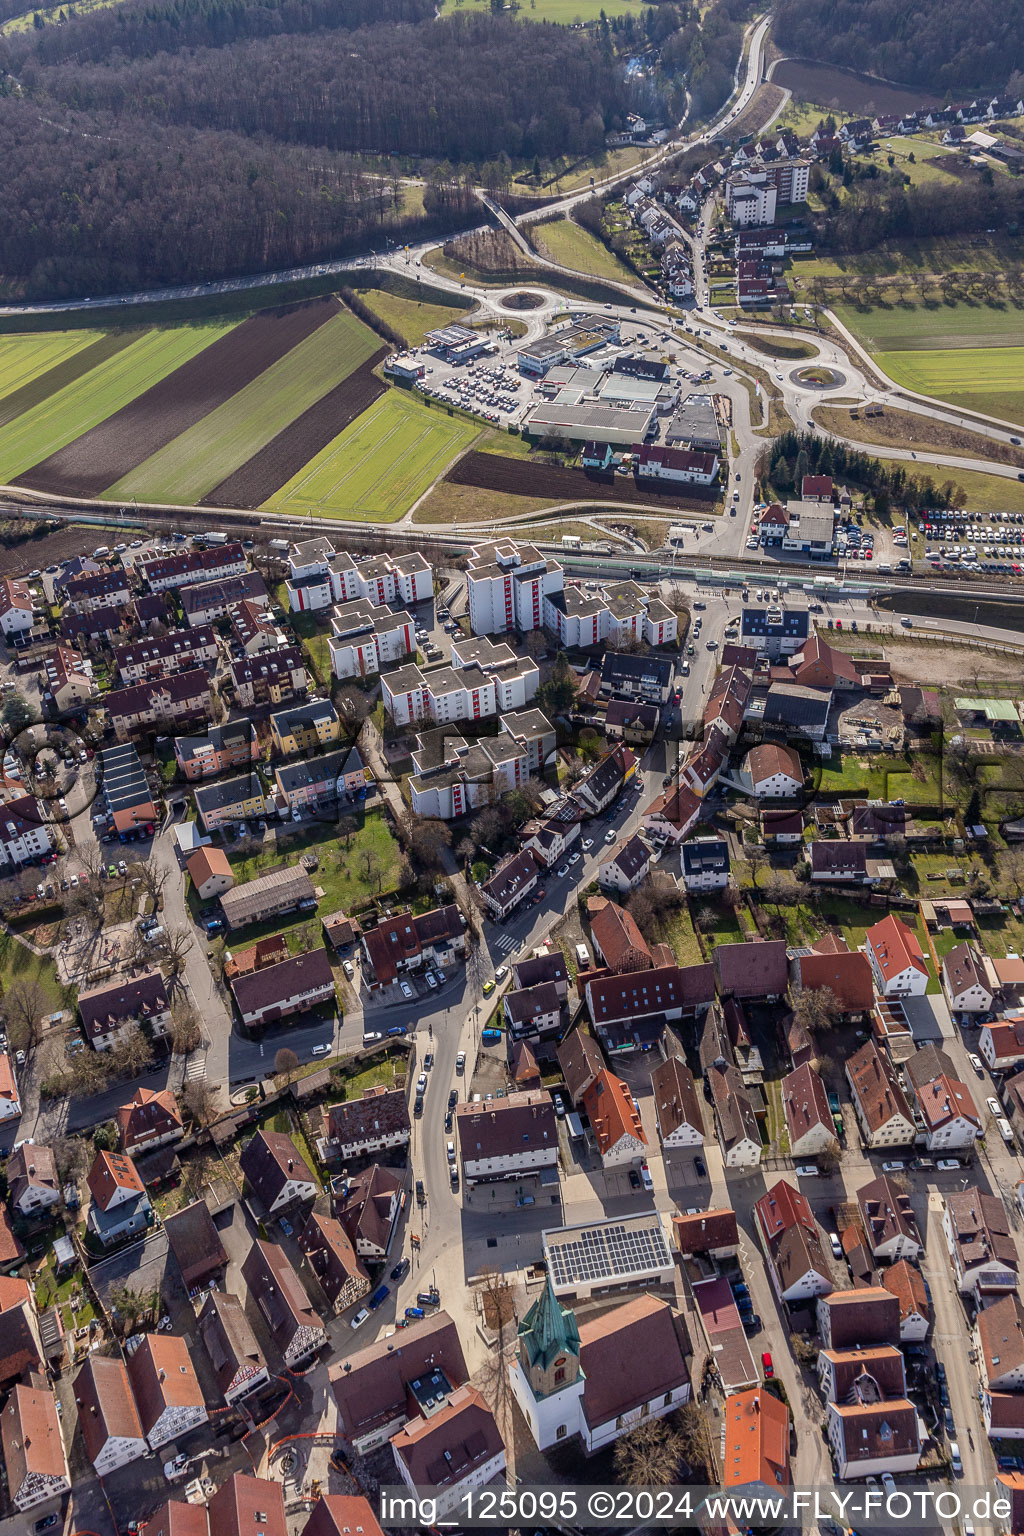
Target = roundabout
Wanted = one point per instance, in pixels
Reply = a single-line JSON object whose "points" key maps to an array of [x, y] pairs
{"points": [[818, 377], [523, 299]]}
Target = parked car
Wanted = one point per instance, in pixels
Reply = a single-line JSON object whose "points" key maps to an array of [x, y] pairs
{"points": [[414, 1312], [400, 1270], [490, 1036], [406, 989], [976, 1063], [421, 1194], [699, 1168], [360, 1318], [645, 1177], [372, 1036], [767, 1366]]}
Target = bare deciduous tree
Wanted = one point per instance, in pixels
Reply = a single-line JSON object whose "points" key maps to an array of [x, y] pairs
{"points": [[25, 1003], [649, 1455], [285, 1061], [199, 1101]]}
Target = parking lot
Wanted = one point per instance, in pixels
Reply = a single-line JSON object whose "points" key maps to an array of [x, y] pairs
{"points": [[997, 544]]}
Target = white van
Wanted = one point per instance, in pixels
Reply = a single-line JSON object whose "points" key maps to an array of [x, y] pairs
{"points": [[582, 957]]}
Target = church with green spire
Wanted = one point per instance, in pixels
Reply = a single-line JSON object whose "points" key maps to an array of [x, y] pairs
{"points": [[547, 1377]]}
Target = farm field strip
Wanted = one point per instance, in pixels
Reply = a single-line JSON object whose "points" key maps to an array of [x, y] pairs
{"points": [[72, 411], [378, 466], [181, 400], [300, 441], [188, 468], [36, 391], [23, 358], [935, 327], [836, 90], [566, 12], [411, 318]]}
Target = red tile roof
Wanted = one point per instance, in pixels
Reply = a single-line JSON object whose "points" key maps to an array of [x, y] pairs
{"points": [[895, 947], [612, 1111], [111, 1173], [755, 1439]]}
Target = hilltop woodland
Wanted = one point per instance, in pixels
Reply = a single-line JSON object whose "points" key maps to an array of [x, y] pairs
{"points": [[167, 140], [782, 466], [952, 47]]}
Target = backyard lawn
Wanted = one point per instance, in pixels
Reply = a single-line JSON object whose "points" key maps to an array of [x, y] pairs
{"points": [[350, 873], [18, 964]]}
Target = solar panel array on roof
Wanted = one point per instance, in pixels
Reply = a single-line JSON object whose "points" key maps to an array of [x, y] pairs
{"points": [[602, 1253]]}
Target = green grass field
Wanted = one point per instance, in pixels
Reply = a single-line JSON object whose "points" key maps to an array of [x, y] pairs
{"points": [[202, 457], [563, 11], [409, 317], [985, 493], [35, 434], [24, 358], [989, 381], [51, 15], [380, 464], [929, 327], [571, 246]]}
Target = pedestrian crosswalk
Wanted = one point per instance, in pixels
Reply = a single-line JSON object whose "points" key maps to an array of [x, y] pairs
{"points": [[506, 944], [195, 1069]]}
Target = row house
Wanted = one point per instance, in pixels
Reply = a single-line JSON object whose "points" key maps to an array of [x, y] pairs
{"points": [[184, 696], [270, 677], [369, 1206], [366, 637], [735, 1121], [109, 1419], [319, 782], [866, 1315], [230, 800], [24, 835], [615, 1122], [107, 1012], [33, 1447], [221, 749], [239, 1366], [207, 601], [872, 1437], [330, 1255], [792, 1244], [808, 1116], [677, 1105], [944, 1104], [889, 1223], [906, 1284], [631, 1010], [163, 656], [166, 1389], [171, 572], [97, 589]]}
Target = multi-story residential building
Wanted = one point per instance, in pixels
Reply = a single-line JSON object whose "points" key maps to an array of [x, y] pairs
{"points": [[180, 651], [119, 1205], [244, 1504], [365, 637], [774, 771], [888, 1220], [598, 788], [376, 1122], [69, 678], [460, 692], [792, 1244], [166, 1389], [867, 1315], [230, 800], [1002, 1042], [614, 1117], [884, 1116], [511, 881], [234, 1352], [630, 1011], [319, 577], [254, 628], [163, 702], [677, 1104], [549, 838], [808, 1117], [276, 1172], [373, 1387], [897, 960], [754, 970], [369, 1206], [965, 980], [107, 1414], [403, 942], [735, 1122], [775, 632], [452, 776], [169, 572], [319, 783], [17, 615], [943, 1102], [981, 1248], [333, 1260], [451, 1449], [33, 1447], [626, 867], [506, 586], [207, 601], [906, 1283], [508, 1138], [270, 677], [277, 1291], [704, 863], [218, 750], [94, 589], [32, 1178], [648, 679], [872, 1437], [24, 835], [305, 728], [108, 1011], [149, 1119], [279, 991]]}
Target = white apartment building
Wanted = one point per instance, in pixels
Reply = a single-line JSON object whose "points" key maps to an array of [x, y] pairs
{"points": [[319, 577], [507, 1138], [506, 585], [24, 835], [452, 776], [366, 637], [459, 692]]}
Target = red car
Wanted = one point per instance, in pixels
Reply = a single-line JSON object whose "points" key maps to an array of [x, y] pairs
{"points": [[769, 1369]]}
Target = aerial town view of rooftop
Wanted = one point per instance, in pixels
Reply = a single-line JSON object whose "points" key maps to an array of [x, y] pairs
{"points": [[512, 790]]}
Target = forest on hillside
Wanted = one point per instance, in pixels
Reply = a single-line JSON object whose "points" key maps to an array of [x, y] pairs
{"points": [[951, 47], [157, 141]]}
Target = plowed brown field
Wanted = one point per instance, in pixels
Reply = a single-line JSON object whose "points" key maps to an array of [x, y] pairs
{"points": [[518, 477], [275, 464], [110, 450]]}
